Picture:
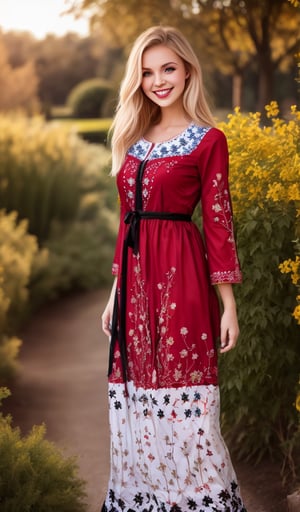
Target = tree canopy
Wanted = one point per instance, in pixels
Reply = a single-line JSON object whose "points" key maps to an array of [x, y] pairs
{"points": [[230, 35], [18, 86]]}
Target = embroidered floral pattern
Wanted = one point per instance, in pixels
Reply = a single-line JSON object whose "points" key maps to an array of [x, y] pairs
{"points": [[180, 145], [223, 215], [169, 356], [173, 444]]}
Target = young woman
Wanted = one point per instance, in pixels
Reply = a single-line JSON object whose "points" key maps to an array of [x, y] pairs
{"points": [[163, 318]]}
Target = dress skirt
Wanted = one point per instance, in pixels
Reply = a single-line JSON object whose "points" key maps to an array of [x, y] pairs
{"points": [[167, 452]]}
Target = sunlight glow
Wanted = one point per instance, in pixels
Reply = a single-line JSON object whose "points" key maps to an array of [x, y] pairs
{"points": [[40, 17]]}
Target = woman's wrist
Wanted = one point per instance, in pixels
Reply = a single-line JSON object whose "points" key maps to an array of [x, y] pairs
{"points": [[227, 297]]}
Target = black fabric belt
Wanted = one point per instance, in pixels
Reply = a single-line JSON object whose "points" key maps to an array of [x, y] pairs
{"points": [[133, 218]]}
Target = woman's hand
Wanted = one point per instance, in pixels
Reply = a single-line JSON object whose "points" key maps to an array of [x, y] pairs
{"points": [[107, 319], [229, 321], [108, 311], [229, 330]]}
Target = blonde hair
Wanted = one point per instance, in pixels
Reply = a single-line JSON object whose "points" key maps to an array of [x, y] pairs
{"points": [[135, 112]]}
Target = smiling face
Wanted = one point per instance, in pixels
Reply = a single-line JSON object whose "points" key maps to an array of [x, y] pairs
{"points": [[164, 76]]}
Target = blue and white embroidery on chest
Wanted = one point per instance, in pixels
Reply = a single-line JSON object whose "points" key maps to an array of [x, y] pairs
{"points": [[181, 145]]}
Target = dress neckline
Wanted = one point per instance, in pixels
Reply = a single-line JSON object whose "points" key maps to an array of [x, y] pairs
{"points": [[170, 139]]}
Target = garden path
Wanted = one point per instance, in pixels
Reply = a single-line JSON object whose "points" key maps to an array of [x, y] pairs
{"points": [[62, 383]]}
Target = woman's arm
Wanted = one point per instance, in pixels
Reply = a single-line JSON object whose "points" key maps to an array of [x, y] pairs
{"points": [[108, 311], [229, 321]]}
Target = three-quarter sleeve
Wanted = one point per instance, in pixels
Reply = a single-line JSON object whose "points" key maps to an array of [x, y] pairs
{"points": [[223, 262]]}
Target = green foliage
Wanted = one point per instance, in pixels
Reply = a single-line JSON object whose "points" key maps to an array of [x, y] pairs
{"points": [[87, 98], [78, 255], [34, 475], [79, 258], [259, 378]]}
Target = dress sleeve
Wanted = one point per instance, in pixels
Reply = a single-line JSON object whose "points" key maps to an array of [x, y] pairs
{"points": [[223, 262]]}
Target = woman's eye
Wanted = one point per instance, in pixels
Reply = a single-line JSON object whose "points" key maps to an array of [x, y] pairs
{"points": [[146, 73], [169, 69]]}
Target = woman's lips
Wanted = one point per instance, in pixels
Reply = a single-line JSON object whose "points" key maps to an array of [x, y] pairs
{"points": [[163, 93]]}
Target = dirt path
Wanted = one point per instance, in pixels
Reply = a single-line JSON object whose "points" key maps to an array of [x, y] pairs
{"points": [[62, 383]]}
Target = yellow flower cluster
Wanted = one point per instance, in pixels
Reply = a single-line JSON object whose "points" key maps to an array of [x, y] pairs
{"points": [[264, 160], [298, 402], [293, 267], [272, 109]]}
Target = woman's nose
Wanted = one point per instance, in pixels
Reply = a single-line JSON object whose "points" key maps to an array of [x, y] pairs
{"points": [[158, 79]]}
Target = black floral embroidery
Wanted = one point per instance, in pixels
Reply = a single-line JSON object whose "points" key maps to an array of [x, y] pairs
{"points": [[149, 503], [118, 404], [185, 397], [144, 399], [176, 508], [188, 413], [192, 505], [207, 501], [138, 499], [160, 413], [224, 496], [167, 399], [121, 504], [153, 400]]}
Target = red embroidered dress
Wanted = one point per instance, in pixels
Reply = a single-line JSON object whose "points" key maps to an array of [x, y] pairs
{"points": [[167, 453]]}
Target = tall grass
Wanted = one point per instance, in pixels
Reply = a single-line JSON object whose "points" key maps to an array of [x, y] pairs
{"points": [[40, 173]]}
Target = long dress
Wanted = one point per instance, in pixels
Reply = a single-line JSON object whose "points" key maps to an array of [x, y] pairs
{"points": [[167, 452]]}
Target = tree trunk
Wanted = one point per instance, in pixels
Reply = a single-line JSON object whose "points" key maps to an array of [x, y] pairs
{"points": [[265, 84], [237, 87]]}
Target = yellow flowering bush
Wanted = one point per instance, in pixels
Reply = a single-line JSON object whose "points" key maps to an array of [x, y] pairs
{"points": [[258, 378], [17, 252], [264, 161]]}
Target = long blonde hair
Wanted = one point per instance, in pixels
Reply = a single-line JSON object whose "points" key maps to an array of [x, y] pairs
{"points": [[135, 112]]}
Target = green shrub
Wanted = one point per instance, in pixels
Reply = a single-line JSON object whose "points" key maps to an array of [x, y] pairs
{"points": [[17, 252], [90, 130], [87, 98], [39, 172], [79, 258], [34, 475]]}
